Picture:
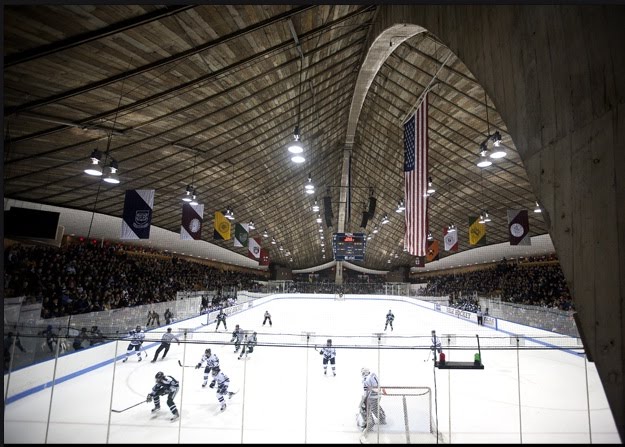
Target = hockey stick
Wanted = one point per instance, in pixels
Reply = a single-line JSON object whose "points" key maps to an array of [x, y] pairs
{"points": [[185, 366], [429, 354], [132, 406]]}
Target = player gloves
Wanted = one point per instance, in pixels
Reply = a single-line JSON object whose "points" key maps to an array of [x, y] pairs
{"points": [[212, 385], [198, 366], [149, 399]]}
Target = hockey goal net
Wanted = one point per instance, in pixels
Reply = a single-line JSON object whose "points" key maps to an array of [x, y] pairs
{"points": [[409, 416]]}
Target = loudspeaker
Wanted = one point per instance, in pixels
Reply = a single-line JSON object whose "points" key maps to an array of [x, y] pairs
{"points": [[372, 203], [327, 209], [365, 219]]}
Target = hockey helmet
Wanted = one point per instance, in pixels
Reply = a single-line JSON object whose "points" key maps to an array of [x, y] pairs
{"points": [[329, 342], [138, 328], [364, 371], [207, 351], [216, 370], [159, 375]]}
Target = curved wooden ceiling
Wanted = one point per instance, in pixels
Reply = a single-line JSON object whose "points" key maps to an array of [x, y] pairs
{"points": [[209, 95]]}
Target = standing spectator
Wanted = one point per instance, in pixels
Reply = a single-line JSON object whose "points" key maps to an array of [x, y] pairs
{"points": [[95, 336], [165, 385], [51, 338], [329, 356], [389, 320], [248, 345], [221, 318], [166, 340], [153, 317], [370, 402], [212, 361], [8, 347], [82, 336], [236, 338], [267, 318], [136, 341], [169, 317]]}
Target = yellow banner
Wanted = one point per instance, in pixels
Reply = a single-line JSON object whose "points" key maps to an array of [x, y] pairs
{"points": [[477, 231], [222, 227]]}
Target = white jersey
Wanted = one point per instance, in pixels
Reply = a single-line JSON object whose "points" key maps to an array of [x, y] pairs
{"points": [[136, 338], [328, 352], [370, 386], [211, 360], [390, 317], [221, 380]]}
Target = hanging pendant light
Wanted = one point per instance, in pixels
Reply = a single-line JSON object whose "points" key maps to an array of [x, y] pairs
{"points": [[112, 177], [94, 167]]}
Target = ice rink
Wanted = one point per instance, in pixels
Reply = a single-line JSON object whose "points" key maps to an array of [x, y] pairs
{"points": [[284, 397]]}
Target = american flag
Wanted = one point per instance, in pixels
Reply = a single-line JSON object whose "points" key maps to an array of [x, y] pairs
{"points": [[415, 179]]}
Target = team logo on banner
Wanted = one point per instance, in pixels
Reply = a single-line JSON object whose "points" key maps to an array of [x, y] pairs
{"points": [[254, 248], [519, 227], [222, 227], [264, 257], [477, 231], [433, 252], [241, 235], [419, 261], [192, 216], [137, 218], [451, 239]]}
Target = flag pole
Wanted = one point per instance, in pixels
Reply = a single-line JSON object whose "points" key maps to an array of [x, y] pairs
{"points": [[429, 87]]}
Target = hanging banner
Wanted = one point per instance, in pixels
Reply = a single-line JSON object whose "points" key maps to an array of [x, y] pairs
{"points": [[222, 227], [519, 227], [477, 231], [137, 218], [192, 217]]}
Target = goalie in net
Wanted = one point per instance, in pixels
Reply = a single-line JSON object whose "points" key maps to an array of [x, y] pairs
{"points": [[406, 417]]}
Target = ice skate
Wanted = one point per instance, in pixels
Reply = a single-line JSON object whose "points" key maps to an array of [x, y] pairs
{"points": [[155, 409], [175, 417], [124, 361], [223, 407]]}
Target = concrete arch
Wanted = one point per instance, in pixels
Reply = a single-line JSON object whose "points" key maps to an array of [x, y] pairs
{"points": [[556, 75]]}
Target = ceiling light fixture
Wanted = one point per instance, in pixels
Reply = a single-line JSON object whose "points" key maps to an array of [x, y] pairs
{"points": [[430, 237], [194, 201], [94, 167], [187, 194], [251, 225], [385, 219], [430, 189], [309, 187], [296, 148], [229, 214], [112, 176], [494, 138], [400, 206], [319, 218], [315, 207], [265, 234], [538, 209]]}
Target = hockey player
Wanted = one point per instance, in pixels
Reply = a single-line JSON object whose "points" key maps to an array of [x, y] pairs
{"points": [[248, 345], [329, 355], [267, 318], [165, 385], [236, 338], [222, 381], [136, 341], [166, 340], [389, 320], [370, 402], [436, 343], [221, 318], [212, 362]]}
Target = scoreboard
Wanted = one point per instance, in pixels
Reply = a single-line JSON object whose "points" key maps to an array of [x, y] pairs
{"points": [[349, 246]]}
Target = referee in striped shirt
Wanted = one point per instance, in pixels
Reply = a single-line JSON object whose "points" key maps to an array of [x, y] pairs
{"points": [[165, 342]]}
